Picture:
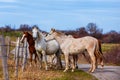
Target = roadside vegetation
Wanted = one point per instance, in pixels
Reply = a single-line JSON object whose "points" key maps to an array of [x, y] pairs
{"points": [[34, 73], [112, 56]]}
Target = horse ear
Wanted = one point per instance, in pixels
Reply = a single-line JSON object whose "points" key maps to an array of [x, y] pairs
{"points": [[52, 29], [35, 27], [23, 32], [32, 27]]}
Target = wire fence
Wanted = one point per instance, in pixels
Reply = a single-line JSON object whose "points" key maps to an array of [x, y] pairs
{"points": [[5, 45]]}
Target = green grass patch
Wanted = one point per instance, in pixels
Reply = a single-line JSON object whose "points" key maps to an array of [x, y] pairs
{"points": [[108, 46], [77, 75]]}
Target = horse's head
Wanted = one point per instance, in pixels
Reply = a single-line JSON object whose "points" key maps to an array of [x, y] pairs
{"points": [[52, 31], [35, 32], [53, 34], [50, 36], [25, 34]]}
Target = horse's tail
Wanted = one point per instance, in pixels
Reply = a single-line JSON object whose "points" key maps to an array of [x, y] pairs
{"points": [[98, 52]]}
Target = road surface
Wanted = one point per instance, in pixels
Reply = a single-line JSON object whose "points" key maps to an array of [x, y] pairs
{"points": [[107, 73]]}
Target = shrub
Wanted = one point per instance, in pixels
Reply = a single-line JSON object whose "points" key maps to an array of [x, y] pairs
{"points": [[113, 56], [11, 33]]}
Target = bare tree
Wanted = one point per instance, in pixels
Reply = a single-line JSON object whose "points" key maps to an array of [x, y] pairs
{"points": [[81, 32], [111, 37], [94, 31], [24, 27]]}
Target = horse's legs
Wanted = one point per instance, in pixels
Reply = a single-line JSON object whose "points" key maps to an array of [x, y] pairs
{"points": [[30, 59], [45, 57], [75, 57], [35, 59], [66, 62], [73, 60], [96, 61], [101, 54], [93, 61], [101, 60], [52, 57], [40, 59]]}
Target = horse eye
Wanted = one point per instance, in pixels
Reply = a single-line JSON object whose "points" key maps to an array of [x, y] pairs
{"points": [[49, 34]]}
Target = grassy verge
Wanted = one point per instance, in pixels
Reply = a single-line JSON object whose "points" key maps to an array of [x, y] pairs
{"points": [[34, 73]]}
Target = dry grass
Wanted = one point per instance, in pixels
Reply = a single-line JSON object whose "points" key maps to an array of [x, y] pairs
{"points": [[108, 46], [113, 56], [34, 73]]}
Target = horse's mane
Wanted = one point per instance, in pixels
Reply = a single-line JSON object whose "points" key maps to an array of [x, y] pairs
{"points": [[30, 34], [41, 36], [59, 33]]}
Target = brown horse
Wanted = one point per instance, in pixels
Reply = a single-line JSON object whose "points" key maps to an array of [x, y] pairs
{"points": [[31, 46]]}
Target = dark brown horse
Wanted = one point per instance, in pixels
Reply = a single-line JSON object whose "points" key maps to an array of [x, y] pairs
{"points": [[31, 47]]}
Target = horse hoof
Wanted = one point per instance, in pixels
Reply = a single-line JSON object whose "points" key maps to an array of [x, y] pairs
{"points": [[65, 71], [102, 66], [40, 67], [89, 70], [92, 71], [46, 68], [72, 71]]}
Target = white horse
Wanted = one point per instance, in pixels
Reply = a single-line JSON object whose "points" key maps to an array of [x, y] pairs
{"points": [[70, 46], [45, 48]]}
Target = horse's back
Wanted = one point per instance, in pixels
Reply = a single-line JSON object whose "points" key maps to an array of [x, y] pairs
{"points": [[87, 40], [76, 45]]}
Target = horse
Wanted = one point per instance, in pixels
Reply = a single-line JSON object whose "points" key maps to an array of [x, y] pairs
{"points": [[75, 57], [50, 47], [31, 47], [70, 46]]}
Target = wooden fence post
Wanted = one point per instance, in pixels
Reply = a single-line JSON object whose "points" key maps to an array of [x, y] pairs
{"points": [[17, 57], [7, 41], [4, 58], [25, 54], [15, 51], [21, 52]]}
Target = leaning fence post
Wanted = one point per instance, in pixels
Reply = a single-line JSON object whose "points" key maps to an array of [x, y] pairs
{"points": [[4, 58], [25, 54], [17, 57]]}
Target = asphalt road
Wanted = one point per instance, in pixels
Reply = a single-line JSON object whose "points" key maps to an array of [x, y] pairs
{"points": [[107, 73]]}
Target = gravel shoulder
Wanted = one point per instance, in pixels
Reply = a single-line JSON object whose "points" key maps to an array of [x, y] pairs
{"points": [[107, 73]]}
